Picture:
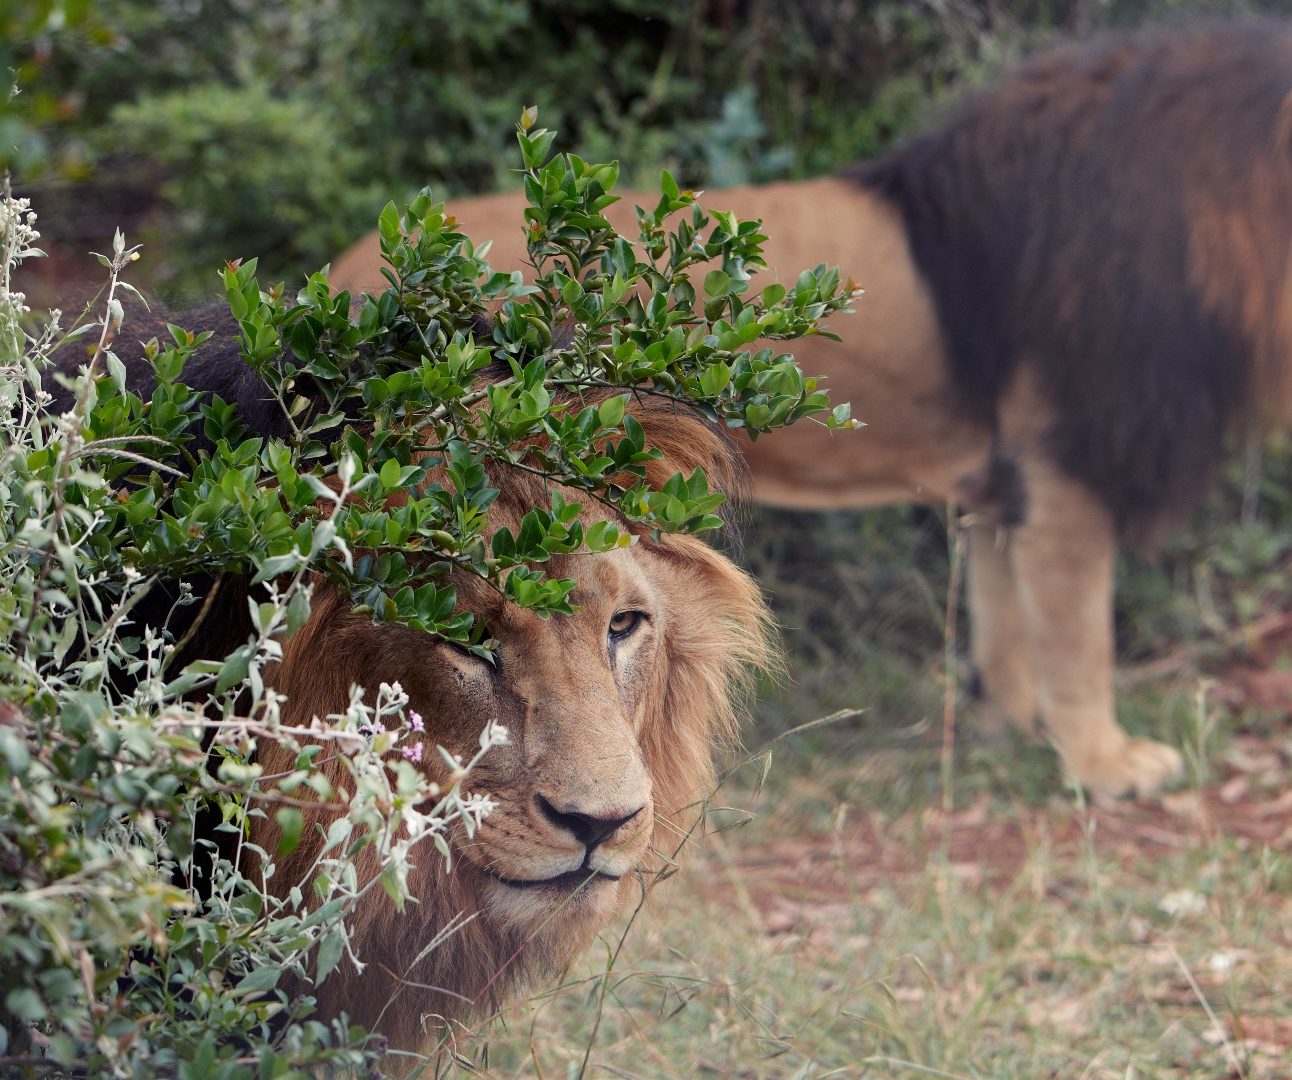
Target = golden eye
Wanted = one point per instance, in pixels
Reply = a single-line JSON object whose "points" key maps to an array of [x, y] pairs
{"points": [[624, 623]]}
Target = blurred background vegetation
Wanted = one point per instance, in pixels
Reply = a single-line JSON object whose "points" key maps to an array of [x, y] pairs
{"points": [[220, 129], [214, 129]]}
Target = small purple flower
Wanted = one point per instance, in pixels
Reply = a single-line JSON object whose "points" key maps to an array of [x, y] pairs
{"points": [[374, 728], [415, 722], [412, 753]]}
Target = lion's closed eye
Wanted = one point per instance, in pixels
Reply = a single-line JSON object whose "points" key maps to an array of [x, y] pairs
{"points": [[486, 649]]}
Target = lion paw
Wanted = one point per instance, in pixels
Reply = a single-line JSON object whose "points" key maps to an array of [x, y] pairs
{"points": [[1139, 769]]}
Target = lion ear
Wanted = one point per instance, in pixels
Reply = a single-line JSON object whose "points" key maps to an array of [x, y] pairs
{"points": [[686, 442]]}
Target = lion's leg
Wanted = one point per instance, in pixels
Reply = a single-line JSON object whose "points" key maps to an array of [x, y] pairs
{"points": [[997, 638], [1062, 557]]}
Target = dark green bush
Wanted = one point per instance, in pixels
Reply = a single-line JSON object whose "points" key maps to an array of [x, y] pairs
{"points": [[281, 178], [362, 97]]}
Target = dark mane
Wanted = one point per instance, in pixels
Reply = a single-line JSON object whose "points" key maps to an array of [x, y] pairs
{"points": [[215, 368], [1055, 218]]}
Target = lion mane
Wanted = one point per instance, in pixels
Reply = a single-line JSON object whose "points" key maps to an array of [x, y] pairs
{"points": [[1115, 218], [1077, 292]]}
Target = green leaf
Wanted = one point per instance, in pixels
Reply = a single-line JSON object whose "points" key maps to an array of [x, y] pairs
{"points": [[717, 283], [260, 979], [25, 1004], [13, 749], [291, 822], [773, 294], [234, 669], [116, 369], [611, 411], [715, 378], [388, 222], [275, 565], [756, 415], [330, 949]]}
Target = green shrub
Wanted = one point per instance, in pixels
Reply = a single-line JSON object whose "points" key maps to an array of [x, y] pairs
{"points": [[280, 178], [115, 958]]}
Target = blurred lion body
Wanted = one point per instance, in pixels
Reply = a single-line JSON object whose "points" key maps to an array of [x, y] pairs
{"points": [[1077, 289]]}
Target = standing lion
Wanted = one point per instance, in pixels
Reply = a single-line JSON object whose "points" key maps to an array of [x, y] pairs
{"points": [[1077, 289]]}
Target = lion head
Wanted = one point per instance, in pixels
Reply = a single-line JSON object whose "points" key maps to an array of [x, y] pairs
{"points": [[613, 713]]}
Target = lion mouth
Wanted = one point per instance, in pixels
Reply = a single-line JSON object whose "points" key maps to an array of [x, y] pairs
{"points": [[570, 881]]}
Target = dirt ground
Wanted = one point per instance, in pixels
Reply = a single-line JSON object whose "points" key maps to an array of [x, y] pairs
{"points": [[794, 880]]}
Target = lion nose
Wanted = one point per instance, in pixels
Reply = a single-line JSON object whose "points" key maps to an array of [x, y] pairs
{"points": [[589, 829]]}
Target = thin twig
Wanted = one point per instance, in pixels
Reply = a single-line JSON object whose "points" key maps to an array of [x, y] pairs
{"points": [[955, 538]]}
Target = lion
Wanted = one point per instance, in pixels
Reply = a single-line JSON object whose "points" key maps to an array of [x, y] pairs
{"points": [[614, 714], [1077, 290]]}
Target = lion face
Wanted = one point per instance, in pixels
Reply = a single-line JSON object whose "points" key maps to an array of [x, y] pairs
{"points": [[613, 716], [573, 793]]}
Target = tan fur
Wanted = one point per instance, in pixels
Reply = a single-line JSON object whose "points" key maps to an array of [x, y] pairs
{"points": [[596, 728]]}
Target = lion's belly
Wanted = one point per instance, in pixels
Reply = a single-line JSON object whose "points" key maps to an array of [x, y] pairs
{"points": [[924, 459], [917, 444]]}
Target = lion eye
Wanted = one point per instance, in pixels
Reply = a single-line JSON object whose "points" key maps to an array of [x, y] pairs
{"points": [[486, 649], [624, 623]]}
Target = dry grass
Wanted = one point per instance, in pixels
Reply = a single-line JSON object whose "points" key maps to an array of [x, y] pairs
{"points": [[1010, 938]]}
